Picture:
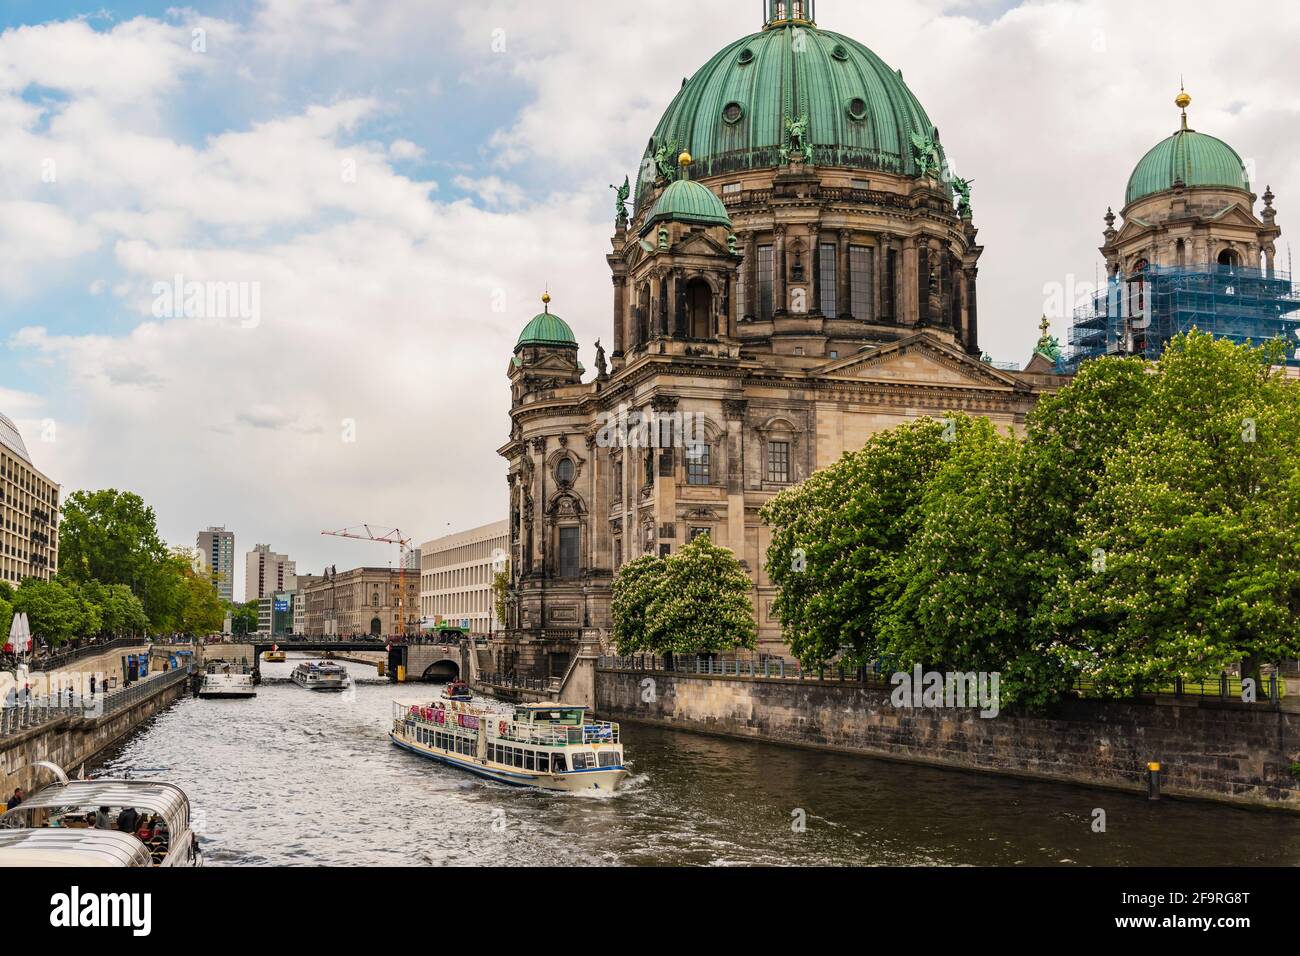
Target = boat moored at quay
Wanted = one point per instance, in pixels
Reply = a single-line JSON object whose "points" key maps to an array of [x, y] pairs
{"points": [[320, 675], [550, 746], [227, 680]]}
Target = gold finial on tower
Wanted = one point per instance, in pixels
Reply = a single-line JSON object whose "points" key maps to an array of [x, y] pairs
{"points": [[1182, 101], [546, 301], [1044, 326]]}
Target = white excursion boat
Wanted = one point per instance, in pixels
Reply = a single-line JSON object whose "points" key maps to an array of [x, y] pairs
{"points": [[551, 746], [320, 675], [227, 679], [53, 827]]}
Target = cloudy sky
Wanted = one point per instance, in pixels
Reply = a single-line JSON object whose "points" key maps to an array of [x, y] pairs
{"points": [[397, 180]]}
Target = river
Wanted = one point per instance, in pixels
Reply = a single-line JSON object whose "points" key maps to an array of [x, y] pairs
{"points": [[301, 777]]}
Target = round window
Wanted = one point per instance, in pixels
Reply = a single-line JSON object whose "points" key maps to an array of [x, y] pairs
{"points": [[733, 112], [564, 470], [858, 108], [746, 56], [839, 52]]}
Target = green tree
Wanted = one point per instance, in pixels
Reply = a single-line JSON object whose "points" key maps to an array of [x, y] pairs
{"points": [[123, 614], [1192, 528], [701, 603], [112, 537], [501, 594], [634, 588], [243, 617], [6, 619], [836, 537], [54, 610]]}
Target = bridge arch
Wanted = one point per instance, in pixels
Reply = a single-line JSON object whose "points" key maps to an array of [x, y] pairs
{"points": [[442, 671]]}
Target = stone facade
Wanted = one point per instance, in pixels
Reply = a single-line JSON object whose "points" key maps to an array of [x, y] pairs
{"points": [[1238, 753], [361, 601], [766, 318]]}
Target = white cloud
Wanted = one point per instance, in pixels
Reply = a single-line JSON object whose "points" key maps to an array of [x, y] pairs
{"points": [[377, 297]]}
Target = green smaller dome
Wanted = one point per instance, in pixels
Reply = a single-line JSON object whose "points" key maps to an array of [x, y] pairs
{"points": [[685, 200], [1189, 157], [546, 329]]}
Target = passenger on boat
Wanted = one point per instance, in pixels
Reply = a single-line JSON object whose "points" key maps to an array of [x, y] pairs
{"points": [[16, 799], [128, 820], [92, 821], [101, 819], [145, 833]]}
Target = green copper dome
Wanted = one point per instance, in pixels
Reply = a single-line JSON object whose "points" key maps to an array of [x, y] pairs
{"points": [[1189, 157], [732, 114], [685, 200], [547, 330]]}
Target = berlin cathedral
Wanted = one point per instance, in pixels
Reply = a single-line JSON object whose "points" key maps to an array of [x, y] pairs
{"points": [[798, 270]]}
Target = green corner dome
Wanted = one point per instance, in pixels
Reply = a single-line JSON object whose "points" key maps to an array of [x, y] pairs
{"points": [[1189, 157], [546, 329], [731, 115], [685, 200]]}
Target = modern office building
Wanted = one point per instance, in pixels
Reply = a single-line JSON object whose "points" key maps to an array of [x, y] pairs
{"points": [[456, 576], [266, 572], [216, 546], [29, 512]]}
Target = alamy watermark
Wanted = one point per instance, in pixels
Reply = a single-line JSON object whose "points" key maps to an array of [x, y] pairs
{"points": [[637, 428], [933, 690], [208, 300]]}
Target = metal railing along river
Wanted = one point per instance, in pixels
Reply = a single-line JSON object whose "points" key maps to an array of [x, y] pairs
{"points": [[1271, 689], [27, 711]]}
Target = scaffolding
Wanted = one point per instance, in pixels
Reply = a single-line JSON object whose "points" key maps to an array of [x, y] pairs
{"points": [[1139, 314]]}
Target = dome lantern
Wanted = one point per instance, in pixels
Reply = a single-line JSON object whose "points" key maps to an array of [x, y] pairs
{"points": [[546, 330]]}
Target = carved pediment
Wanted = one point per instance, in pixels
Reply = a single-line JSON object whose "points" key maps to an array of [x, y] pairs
{"points": [[700, 244], [920, 359]]}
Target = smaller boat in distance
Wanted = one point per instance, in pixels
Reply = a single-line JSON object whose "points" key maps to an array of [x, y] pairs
{"points": [[320, 675], [273, 656], [457, 690], [227, 679]]}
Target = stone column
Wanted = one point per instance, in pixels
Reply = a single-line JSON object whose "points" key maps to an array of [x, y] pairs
{"points": [[539, 508], [814, 239], [750, 267], [781, 305], [972, 312], [842, 277], [883, 309], [679, 304], [666, 458], [909, 282], [601, 548], [734, 411], [620, 313]]}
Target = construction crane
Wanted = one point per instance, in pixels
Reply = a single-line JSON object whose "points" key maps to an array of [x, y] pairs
{"points": [[385, 536]]}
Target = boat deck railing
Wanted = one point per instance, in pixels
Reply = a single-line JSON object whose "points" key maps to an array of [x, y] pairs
{"points": [[501, 727]]}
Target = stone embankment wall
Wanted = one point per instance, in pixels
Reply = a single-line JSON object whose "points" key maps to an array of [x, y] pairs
{"points": [[1211, 749]]}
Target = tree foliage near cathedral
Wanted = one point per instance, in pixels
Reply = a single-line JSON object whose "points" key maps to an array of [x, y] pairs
{"points": [[1142, 530], [694, 601]]}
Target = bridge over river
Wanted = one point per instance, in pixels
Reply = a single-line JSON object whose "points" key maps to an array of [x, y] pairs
{"points": [[419, 660]]}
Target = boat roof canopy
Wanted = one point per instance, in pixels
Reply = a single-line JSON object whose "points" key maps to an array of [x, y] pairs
{"points": [[154, 796], [53, 846], [551, 707]]}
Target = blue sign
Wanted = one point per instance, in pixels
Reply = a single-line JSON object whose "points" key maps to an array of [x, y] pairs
{"points": [[281, 604]]}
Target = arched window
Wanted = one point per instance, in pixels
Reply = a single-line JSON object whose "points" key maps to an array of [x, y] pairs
{"points": [[1229, 259], [1137, 289], [564, 471]]}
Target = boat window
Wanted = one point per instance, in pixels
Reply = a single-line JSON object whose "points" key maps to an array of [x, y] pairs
{"points": [[544, 763], [608, 758], [581, 761], [529, 763], [558, 764]]}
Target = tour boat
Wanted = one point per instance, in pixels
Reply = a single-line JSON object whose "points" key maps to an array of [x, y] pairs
{"points": [[273, 656], [551, 746], [320, 675], [223, 679], [50, 828], [457, 690]]}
